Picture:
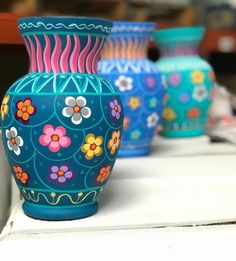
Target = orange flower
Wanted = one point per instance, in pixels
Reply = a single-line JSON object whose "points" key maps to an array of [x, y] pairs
{"points": [[193, 113], [21, 175], [114, 142], [25, 109], [104, 173]]}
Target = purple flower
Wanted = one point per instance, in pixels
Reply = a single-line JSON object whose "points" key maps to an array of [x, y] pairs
{"points": [[116, 109], [184, 97], [60, 174], [175, 79], [151, 83]]}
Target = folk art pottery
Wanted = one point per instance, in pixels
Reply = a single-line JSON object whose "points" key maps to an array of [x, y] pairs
{"points": [[61, 122], [124, 63], [188, 80]]}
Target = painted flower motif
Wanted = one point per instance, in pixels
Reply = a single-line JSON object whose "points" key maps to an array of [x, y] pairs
{"points": [[24, 110], [4, 106], [184, 97], [197, 77], [14, 141], [175, 79], [103, 174], [153, 102], [152, 120], [169, 114], [76, 109], [124, 83], [135, 135], [92, 146], [21, 175], [115, 109], [126, 123], [193, 113], [61, 174], [151, 82], [134, 103], [200, 93], [114, 142], [54, 138]]}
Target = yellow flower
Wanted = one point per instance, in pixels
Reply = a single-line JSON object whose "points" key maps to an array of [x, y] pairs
{"points": [[197, 77], [114, 142], [92, 146], [169, 114], [4, 106], [134, 103]]}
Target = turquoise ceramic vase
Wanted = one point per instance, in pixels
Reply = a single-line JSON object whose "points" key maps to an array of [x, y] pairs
{"points": [[124, 64], [61, 122], [188, 80]]}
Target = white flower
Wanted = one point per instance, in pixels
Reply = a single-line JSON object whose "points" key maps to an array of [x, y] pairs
{"points": [[14, 141], [124, 83], [152, 120], [76, 109], [200, 93]]}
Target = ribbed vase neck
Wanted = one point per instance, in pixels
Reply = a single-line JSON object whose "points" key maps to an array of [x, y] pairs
{"points": [[174, 49], [133, 47], [64, 44]]}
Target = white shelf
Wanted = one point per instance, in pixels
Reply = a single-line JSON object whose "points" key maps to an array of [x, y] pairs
{"points": [[183, 183]]}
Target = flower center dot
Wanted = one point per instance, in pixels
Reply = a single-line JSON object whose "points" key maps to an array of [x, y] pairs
{"points": [[13, 141], [76, 108], [115, 140], [93, 146], [55, 137], [124, 83], [60, 173], [24, 108], [116, 108]]}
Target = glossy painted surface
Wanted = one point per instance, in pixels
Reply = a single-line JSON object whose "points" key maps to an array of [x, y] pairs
{"points": [[188, 80], [61, 122], [124, 64]]}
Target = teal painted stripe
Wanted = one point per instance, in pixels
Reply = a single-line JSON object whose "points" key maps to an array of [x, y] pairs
{"points": [[64, 33], [60, 94], [60, 191]]}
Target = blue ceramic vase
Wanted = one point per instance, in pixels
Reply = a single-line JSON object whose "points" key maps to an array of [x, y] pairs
{"points": [[124, 64], [61, 122], [188, 80]]}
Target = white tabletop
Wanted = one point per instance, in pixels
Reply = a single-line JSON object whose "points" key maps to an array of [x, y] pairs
{"points": [[165, 203]]}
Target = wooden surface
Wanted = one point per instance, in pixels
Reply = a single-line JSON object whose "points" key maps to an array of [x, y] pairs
{"points": [[171, 204]]}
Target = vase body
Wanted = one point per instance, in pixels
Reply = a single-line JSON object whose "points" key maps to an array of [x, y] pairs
{"points": [[188, 80], [124, 64], [59, 132]]}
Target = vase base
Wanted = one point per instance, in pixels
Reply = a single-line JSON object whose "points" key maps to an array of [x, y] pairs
{"points": [[133, 153], [183, 134], [56, 213]]}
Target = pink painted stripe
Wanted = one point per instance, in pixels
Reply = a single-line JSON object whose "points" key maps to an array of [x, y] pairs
{"points": [[32, 59], [91, 55], [75, 54], [47, 53], [96, 57], [83, 54], [39, 54], [65, 54], [56, 54]]}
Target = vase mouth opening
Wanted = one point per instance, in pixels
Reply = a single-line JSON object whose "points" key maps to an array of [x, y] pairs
{"points": [[190, 34], [56, 24], [129, 27]]}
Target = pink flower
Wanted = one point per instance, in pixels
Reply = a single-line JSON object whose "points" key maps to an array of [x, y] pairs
{"points": [[54, 138]]}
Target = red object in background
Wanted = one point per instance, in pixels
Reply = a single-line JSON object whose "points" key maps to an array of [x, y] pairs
{"points": [[9, 33]]}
